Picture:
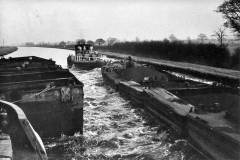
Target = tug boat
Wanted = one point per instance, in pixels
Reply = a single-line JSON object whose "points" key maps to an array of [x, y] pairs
{"points": [[85, 58], [51, 97], [18, 139], [206, 115]]}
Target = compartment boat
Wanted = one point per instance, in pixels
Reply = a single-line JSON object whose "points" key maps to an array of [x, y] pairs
{"points": [[206, 115], [51, 97]]}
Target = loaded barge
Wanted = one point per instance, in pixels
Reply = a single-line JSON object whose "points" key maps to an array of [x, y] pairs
{"points": [[206, 115], [51, 97], [222, 75]]}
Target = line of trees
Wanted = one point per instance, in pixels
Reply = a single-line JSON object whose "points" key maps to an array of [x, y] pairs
{"points": [[207, 54], [173, 49]]}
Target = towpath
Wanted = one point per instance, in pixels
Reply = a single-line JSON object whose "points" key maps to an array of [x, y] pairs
{"points": [[220, 73]]}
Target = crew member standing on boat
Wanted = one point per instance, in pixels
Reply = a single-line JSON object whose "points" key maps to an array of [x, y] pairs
{"points": [[129, 62], [146, 82]]}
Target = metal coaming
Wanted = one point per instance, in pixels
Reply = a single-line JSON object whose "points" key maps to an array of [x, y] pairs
{"points": [[32, 136]]}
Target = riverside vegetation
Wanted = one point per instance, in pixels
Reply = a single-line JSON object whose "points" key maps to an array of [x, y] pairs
{"points": [[198, 53], [206, 54]]}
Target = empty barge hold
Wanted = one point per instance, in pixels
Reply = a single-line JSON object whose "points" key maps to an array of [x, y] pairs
{"points": [[52, 99], [85, 58], [18, 139], [206, 115]]}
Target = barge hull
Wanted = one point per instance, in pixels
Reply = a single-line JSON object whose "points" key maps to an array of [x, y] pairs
{"points": [[220, 141], [85, 65], [51, 113], [212, 143], [52, 99]]}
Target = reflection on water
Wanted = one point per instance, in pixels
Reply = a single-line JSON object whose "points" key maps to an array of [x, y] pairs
{"points": [[113, 128]]}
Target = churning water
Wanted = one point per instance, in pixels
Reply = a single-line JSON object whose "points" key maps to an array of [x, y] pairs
{"points": [[113, 128]]}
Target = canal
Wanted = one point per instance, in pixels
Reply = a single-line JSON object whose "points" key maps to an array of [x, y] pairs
{"points": [[113, 127]]}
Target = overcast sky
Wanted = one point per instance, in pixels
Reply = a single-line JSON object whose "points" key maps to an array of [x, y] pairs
{"points": [[68, 20]]}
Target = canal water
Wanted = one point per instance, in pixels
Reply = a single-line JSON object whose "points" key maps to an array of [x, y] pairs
{"points": [[113, 127]]}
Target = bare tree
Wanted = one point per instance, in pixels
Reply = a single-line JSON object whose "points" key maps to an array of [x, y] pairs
{"points": [[231, 12], [81, 41], [202, 37], [220, 35], [62, 43], [137, 39], [90, 42], [189, 40], [111, 41], [165, 40], [100, 41], [172, 38]]}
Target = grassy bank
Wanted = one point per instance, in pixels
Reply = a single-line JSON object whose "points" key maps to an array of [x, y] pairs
{"points": [[7, 50], [205, 54]]}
